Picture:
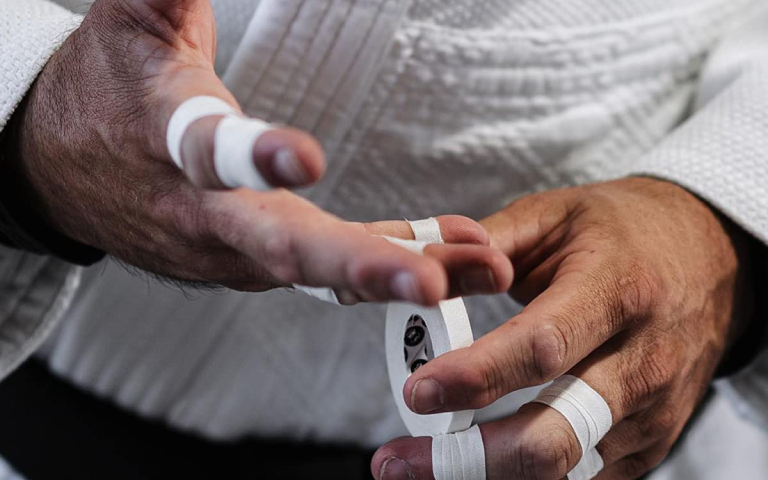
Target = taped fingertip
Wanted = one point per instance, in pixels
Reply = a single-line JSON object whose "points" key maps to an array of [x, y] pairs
{"points": [[289, 157], [289, 169]]}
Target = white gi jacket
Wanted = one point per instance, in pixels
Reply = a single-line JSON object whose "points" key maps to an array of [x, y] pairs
{"points": [[510, 97]]}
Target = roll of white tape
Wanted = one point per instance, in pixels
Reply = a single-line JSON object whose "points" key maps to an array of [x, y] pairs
{"points": [[414, 336], [192, 110]]}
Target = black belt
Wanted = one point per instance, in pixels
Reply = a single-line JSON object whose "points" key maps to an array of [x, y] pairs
{"points": [[50, 430]]}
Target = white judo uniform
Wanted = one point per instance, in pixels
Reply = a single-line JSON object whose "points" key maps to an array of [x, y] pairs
{"points": [[424, 107]]}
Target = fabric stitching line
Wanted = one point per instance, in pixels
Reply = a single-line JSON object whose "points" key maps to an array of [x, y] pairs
{"points": [[42, 321], [377, 115], [364, 45], [321, 66], [265, 72], [297, 68]]}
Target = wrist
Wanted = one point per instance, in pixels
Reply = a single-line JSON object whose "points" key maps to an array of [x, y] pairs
{"points": [[23, 222]]}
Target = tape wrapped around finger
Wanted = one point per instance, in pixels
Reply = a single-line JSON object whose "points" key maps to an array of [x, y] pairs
{"points": [[233, 144], [427, 230], [588, 414], [192, 110], [459, 456]]}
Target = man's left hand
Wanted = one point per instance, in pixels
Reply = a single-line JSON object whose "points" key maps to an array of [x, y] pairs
{"points": [[635, 286]]}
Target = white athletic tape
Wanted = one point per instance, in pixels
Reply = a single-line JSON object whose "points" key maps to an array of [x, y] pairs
{"points": [[459, 456], [233, 152], [427, 230], [189, 112], [415, 246], [233, 141], [414, 336], [321, 293], [587, 413], [424, 233], [588, 467]]}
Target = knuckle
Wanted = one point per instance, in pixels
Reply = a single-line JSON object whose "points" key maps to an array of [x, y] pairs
{"points": [[660, 424], [281, 256], [465, 230], [635, 467], [636, 288], [549, 456], [549, 349], [656, 375], [487, 384], [638, 465]]}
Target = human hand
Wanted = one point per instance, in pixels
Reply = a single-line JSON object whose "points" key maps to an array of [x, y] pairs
{"points": [[634, 286], [89, 147]]}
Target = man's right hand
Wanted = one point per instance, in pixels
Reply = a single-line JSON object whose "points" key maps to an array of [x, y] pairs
{"points": [[89, 146]]}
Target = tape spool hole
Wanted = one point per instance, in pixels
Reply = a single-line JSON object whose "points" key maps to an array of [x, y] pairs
{"points": [[417, 344]]}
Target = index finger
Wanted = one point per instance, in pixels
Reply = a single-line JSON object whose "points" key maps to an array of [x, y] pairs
{"points": [[573, 317]]}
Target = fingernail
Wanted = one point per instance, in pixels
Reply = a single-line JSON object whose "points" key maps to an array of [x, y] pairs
{"points": [[427, 396], [477, 280], [404, 287], [288, 168], [395, 469]]}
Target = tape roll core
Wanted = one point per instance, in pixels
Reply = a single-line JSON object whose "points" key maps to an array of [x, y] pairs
{"points": [[448, 328]]}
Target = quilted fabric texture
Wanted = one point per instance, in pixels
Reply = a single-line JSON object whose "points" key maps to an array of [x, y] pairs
{"points": [[30, 32]]}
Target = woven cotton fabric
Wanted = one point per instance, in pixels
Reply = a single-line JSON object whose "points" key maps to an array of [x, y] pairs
{"points": [[425, 107]]}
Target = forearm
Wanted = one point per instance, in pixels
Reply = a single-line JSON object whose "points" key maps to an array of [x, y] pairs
{"points": [[21, 225]]}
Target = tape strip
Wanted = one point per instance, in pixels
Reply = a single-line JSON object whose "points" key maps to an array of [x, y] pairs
{"points": [[587, 413], [189, 112], [233, 152], [424, 233], [427, 230], [459, 456], [321, 293], [415, 246], [588, 467]]}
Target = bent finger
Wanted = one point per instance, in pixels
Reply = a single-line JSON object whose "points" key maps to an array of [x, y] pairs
{"points": [[218, 148]]}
